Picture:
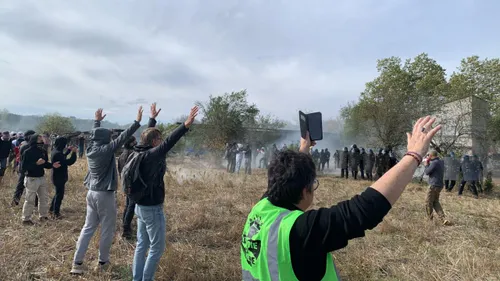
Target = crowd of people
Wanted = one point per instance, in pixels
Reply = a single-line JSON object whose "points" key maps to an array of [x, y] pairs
{"points": [[297, 241]]}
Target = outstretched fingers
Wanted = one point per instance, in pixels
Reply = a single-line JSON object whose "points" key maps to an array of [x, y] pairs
{"points": [[433, 132]]}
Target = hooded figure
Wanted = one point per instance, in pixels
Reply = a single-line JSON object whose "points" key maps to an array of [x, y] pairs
{"points": [[60, 175], [102, 182], [34, 162], [6, 149]]}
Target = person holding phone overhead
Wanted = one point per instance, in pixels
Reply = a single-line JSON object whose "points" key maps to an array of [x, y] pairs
{"points": [[281, 240]]}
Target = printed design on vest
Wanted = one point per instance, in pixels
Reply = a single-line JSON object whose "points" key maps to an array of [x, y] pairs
{"points": [[251, 248]]}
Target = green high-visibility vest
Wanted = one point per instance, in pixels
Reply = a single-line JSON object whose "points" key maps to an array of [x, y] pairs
{"points": [[265, 245]]}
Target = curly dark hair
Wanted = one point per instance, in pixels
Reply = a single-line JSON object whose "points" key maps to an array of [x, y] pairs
{"points": [[288, 174]]}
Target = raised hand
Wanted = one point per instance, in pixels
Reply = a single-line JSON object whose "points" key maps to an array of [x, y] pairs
{"points": [[421, 136], [139, 114], [40, 162], [191, 117], [306, 144], [154, 112], [56, 165], [99, 116]]}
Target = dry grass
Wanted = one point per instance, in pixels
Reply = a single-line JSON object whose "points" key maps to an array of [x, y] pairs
{"points": [[206, 210]]}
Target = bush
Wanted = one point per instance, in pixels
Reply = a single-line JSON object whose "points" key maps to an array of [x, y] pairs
{"points": [[488, 183]]}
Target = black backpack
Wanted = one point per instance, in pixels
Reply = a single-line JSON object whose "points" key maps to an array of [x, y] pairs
{"points": [[132, 183]]}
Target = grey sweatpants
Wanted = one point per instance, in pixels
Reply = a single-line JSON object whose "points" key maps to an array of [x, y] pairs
{"points": [[101, 209]]}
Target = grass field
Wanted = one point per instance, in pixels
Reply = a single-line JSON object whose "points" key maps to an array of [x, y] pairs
{"points": [[206, 209]]}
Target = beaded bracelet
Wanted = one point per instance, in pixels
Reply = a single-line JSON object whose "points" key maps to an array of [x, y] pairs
{"points": [[414, 157], [420, 158]]}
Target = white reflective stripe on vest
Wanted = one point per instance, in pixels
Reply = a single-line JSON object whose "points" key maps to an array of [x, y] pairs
{"points": [[272, 247], [247, 276]]}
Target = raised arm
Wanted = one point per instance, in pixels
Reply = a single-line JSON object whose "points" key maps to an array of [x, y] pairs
{"points": [[122, 138], [154, 114], [393, 183], [175, 136], [329, 229], [72, 158], [430, 168], [98, 118]]}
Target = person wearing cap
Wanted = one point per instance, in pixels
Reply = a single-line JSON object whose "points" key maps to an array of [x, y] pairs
{"points": [[283, 240], [6, 148]]}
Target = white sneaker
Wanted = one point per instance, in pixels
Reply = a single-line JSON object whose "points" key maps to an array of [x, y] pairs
{"points": [[77, 269]]}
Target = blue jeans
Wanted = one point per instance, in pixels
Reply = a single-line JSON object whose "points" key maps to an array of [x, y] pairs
{"points": [[151, 232]]}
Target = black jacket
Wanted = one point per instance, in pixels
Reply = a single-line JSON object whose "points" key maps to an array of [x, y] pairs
{"points": [[316, 233], [154, 166], [6, 147], [60, 175], [30, 156]]}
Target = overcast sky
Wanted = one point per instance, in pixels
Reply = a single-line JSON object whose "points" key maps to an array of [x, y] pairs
{"points": [[74, 56]]}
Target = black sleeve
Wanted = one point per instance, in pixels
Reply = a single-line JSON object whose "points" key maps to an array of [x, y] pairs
{"points": [[47, 165], [329, 229], [71, 160], [169, 142], [151, 123], [28, 161]]}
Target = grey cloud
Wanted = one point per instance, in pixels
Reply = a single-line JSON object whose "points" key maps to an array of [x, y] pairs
{"points": [[31, 27], [177, 75], [137, 101]]}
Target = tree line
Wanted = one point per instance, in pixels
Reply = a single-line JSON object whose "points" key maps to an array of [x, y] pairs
{"points": [[404, 91]]}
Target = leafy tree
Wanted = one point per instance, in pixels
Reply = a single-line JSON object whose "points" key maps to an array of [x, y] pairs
{"points": [[55, 124], [482, 79], [225, 119], [391, 102]]}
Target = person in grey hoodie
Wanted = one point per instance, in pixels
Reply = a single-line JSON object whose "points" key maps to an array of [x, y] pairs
{"points": [[102, 182], [434, 168]]}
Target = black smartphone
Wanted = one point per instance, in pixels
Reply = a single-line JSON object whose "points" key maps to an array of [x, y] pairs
{"points": [[312, 122]]}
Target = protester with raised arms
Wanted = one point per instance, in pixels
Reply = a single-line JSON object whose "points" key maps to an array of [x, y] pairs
{"points": [[283, 241], [144, 174], [102, 182]]}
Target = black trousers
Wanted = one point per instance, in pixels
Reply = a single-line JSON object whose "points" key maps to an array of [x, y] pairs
{"points": [[128, 214], [369, 175], [20, 189], [354, 173], [362, 170], [344, 172], [55, 206], [472, 186], [449, 184]]}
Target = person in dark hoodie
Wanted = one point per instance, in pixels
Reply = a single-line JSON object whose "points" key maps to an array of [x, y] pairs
{"points": [[102, 182], [151, 225], [20, 182], [6, 148], [34, 162], [60, 175], [129, 210]]}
